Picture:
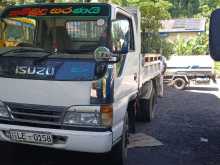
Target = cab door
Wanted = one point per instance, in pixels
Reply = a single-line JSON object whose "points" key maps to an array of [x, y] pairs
{"points": [[127, 70]]}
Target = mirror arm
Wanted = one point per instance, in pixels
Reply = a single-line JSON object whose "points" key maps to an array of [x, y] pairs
{"points": [[117, 56]]}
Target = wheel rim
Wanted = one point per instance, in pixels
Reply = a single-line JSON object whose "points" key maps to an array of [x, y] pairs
{"points": [[179, 83]]}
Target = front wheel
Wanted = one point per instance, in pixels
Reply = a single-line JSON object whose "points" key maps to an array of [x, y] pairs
{"points": [[179, 83], [118, 155]]}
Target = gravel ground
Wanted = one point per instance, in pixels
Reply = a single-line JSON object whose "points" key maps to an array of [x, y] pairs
{"points": [[184, 121], [187, 123]]}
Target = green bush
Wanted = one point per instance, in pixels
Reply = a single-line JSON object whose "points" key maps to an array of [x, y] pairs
{"points": [[167, 48], [195, 46]]}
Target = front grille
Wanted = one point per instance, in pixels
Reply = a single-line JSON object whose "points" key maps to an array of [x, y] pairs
{"points": [[36, 114]]}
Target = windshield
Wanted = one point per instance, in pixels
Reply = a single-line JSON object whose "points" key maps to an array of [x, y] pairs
{"points": [[53, 42], [66, 37], [60, 34]]}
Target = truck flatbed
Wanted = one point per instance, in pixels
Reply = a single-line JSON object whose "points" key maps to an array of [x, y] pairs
{"points": [[181, 77]]}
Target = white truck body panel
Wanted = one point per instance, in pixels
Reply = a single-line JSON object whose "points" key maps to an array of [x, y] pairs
{"points": [[150, 70], [94, 142], [125, 87], [38, 92]]}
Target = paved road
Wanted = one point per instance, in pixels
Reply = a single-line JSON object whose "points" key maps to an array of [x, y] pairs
{"points": [[184, 121]]}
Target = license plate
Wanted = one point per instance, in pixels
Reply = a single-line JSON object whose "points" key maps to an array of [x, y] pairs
{"points": [[30, 137]]}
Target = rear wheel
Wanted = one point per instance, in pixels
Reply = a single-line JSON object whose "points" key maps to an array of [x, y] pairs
{"points": [[179, 83], [150, 105], [118, 155]]}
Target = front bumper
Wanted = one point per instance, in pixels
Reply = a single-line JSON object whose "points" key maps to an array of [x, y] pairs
{"points": [[82, 141]]}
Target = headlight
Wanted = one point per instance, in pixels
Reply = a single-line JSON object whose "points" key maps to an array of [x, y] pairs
{"points": [[97, 116], [3, 110]]}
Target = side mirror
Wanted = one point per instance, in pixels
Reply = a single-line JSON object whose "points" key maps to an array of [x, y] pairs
{"points": [[120, 36], [103, 54], [214, 35]]}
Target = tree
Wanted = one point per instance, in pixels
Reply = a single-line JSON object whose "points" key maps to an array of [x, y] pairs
{"points": [[152, 13], [184, 8], [206, 7], [194, 46]]}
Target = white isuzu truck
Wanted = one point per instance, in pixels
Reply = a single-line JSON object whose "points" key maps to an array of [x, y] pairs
{"points": [[74, 77]]}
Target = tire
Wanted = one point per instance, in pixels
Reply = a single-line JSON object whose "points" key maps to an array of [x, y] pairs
{"points": [[150, 109], [131, 116], [179, 83], [118, 154], [146, 111]]}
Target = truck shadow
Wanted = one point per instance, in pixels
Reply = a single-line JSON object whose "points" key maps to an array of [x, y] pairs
{"points": [[17, 154]]}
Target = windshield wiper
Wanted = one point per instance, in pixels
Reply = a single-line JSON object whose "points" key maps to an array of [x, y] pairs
{"points": [[23, 50], [42, 58], [28, 49]]}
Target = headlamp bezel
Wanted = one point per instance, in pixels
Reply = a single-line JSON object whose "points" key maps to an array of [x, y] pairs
{"points": [[89, 110]]}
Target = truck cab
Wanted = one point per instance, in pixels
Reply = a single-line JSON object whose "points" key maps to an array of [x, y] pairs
{"points": [[75, 83]]}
